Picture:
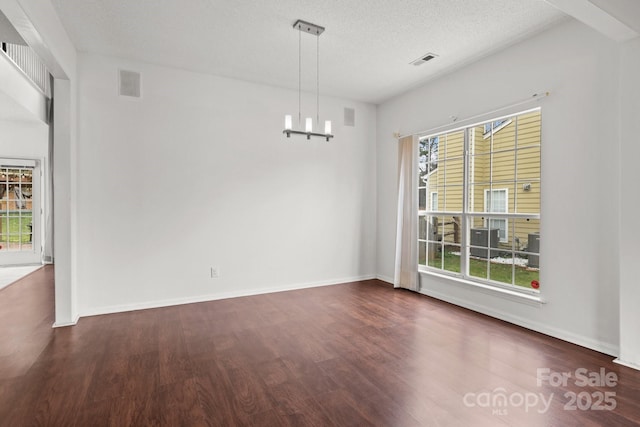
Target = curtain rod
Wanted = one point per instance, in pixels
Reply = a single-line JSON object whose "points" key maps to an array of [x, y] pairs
{"points": [[534, 97]]}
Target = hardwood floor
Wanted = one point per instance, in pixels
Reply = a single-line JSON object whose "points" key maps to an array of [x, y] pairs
{"points": [[353, 354]]}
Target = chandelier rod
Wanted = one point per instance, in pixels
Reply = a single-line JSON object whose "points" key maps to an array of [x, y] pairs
{"points": [[299, 77], [318, 79]]}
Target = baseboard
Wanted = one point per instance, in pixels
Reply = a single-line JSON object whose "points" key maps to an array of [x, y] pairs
{"points": [[65, 324], [385, 278], [96, 311], [602, 347], [627, 364]]}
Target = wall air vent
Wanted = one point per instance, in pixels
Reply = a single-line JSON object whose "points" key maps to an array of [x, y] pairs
{"points": [[129, 83], [424, 58], [349, 116]]}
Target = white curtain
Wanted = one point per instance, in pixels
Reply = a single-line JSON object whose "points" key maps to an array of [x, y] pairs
{"points": [[406, 274]]}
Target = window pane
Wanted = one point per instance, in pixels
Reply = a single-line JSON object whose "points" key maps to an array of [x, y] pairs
{"points": [[422, 162], [450, 198], [528, 197], [482, 238], [527, 244], [428, 158], [435, 179], [502, 166], [504, 135], [448, 258], [478, 268], [422, 199], [529, 129], [443, 248], [501, 225], [4, 232], [528, 163], [453, 171], [422, 253], [452, 145], [422, 228], [501, 270], [477, 143], [480, 168]]}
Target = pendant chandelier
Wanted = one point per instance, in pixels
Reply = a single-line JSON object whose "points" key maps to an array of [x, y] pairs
{"points": [[315, 30]]}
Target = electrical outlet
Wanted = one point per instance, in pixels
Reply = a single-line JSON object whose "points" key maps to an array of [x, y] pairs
{"points": [[215, 272]]}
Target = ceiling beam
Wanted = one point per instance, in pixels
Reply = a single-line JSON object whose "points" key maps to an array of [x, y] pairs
{"points": [[596, 17]]}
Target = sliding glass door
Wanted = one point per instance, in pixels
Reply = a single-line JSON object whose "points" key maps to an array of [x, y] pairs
{"points": [[20, 212]]}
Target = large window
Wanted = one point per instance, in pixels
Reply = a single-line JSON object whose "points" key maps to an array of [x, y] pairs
{"points": [[479, 202]]}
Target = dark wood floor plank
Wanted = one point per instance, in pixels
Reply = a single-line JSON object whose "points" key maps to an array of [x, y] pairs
{"points": [[354, 354]]}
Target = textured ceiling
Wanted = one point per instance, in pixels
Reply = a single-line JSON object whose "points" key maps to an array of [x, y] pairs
{"points": [[364, 52]]}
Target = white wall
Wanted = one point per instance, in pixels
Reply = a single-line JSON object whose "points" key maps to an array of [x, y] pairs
{"points": [[23, 139], [579, 244], [629, 204], [197, 173], [25, 101], [40, 26]]}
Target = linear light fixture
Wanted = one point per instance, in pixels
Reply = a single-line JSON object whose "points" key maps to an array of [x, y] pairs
{"points": [[315, 30]]}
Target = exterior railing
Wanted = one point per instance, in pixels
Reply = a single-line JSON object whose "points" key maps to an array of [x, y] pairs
{"points": [[26, 60]]}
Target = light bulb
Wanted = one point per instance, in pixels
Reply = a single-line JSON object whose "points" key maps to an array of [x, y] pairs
{"points": [[327, 127], [308, 125], [287, 122]]}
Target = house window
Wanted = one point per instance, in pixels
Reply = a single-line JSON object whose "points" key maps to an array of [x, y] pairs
{"points": [[479, 202], [434, 201], [495, 201]]}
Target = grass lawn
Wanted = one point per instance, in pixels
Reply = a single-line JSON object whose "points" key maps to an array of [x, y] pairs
{"points": [[497, 272], [17, 230]]}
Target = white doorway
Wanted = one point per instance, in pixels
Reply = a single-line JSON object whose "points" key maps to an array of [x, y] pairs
{"points": [[20, 212]]}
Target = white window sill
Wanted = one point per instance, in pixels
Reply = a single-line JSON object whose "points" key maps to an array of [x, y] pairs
{"points": [[533, 299]]}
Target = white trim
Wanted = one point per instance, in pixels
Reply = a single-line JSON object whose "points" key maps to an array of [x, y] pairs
{"points": [[95, 311], [581, 340], [457, 125], [8, 162], [627, 364], [65, 324], [384, 278], [513, 292]]}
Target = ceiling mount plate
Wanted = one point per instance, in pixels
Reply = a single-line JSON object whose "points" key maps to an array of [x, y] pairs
{"points": [[308, 27]]}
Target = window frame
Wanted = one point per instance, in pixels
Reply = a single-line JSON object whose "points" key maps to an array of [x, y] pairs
{"points": [[467, 215]]}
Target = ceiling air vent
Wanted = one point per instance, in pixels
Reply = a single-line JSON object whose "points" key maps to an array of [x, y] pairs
{"points": [[424, 58]]}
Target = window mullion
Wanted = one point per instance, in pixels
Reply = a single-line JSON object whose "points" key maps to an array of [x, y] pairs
{"points": [[464, 247]]}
